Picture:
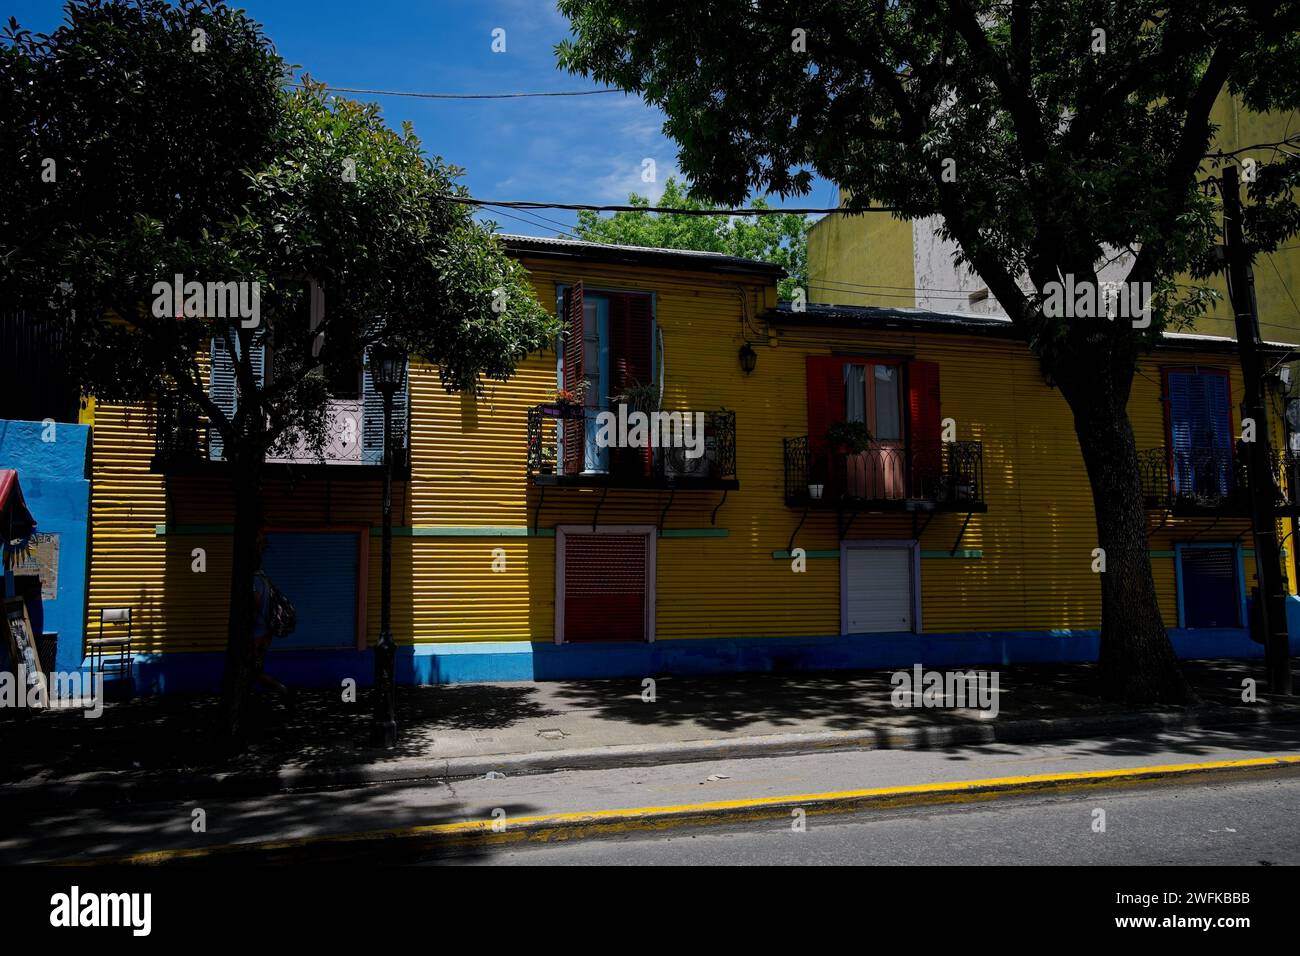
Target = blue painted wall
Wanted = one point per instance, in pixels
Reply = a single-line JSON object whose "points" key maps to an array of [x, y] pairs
{"points": [[515, 661], [55, 482]]}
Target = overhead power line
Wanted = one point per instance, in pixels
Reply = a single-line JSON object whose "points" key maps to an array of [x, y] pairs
{"points": [[460, 96], [667, 210]]}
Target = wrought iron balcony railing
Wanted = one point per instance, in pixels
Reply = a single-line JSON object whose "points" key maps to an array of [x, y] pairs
{"points": [[574, 444], [184, 440], [1211, 479], [947, 474]]}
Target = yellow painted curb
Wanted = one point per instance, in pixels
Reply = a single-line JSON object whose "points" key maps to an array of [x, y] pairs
{"points": [[545, 827]]}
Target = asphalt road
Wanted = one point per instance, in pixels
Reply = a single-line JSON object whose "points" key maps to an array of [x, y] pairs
{"points": [[1210, 821]]}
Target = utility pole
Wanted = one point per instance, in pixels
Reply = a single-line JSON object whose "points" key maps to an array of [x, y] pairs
{"points": [[1259, 456]]}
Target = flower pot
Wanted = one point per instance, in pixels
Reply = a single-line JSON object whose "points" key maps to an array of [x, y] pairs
{"points": [[562, 410], [815, 492]]}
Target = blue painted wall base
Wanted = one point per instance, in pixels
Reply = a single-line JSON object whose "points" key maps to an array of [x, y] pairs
{"points": [[52, 461], [518, 661]]}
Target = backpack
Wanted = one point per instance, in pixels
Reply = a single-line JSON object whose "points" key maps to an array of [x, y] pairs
{"points": [[281, 618]]}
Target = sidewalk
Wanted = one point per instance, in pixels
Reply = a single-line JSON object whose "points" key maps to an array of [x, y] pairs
{"points": [[165, 747]]}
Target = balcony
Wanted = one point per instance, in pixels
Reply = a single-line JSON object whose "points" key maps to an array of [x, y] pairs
{"points": [[887, 476], [680, 449], [1212, 481], [186, 444]]}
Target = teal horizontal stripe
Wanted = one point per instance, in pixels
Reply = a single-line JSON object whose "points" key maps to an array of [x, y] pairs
{"points": [[965, 553], [469, 531], [1245, 553], [435, 531]]}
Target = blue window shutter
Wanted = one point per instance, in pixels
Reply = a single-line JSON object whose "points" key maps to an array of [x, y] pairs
{"points": [[372, 415], [317, 572], [223, 386], [1211, 592], [1200, 437]]}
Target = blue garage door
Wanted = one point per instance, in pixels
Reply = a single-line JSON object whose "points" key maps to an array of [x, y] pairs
{"points": [[318, 573], [1211, 594]]}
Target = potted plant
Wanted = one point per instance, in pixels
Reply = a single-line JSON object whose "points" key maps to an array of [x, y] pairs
{"points": [[637, 398], [852, 440], [849, 438], [548, 459], [568, 403]]}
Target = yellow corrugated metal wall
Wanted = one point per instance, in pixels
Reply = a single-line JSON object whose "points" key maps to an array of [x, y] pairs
{"points": [[467, 499]]}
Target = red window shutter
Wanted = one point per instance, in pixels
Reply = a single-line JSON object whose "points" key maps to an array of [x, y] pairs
{"points": [[825, 396], [825, 383], [630, 319], [574, 364], [605, 582], [924, 426]]}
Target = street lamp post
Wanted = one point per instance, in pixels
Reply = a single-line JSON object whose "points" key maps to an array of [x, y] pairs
{"points": [[388, 372]]}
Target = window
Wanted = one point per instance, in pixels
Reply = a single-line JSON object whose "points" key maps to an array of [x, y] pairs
{"points": [[320, 571], [1199, 425], [899, 403], [878, 587], [607, 349], [1209, 585], [604, 584]]}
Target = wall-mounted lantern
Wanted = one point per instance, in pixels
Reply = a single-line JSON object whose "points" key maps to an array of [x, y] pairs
{"points": [[748, 358]]}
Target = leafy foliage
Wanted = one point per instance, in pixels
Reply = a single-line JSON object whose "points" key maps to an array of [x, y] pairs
{"points": [[171, 160], [1055, 142], [177, 150], [782, 239], [1065, 156]]}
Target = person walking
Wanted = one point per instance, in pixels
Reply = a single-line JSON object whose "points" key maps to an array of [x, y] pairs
{"points": [[268, 618]]}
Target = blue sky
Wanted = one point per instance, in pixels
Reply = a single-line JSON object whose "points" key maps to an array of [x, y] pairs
{"points": [[565, 149]]}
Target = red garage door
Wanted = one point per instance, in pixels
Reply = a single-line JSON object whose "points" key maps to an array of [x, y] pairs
{"points": [[606, 586]]}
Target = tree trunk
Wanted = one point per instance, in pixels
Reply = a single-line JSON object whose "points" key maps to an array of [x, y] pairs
{"points": [[237, 678], [1137, 663]]}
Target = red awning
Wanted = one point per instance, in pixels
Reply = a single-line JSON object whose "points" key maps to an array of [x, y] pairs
{"points": [[15, 520]]}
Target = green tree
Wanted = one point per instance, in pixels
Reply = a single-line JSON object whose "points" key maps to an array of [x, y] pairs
{"points": [[1048, 138], [781, 238], [179, 157]]}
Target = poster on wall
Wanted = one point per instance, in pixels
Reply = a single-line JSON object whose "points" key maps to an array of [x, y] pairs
{"points": [[42, 559], [26, 661]]}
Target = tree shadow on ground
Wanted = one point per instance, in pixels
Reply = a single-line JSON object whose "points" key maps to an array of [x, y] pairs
{"points": [[839, 700], [360, 825], [843, 700], [183, 732]]}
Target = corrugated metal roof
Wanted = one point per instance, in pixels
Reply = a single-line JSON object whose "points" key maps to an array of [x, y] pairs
{"points": [[642, 255], [924, 320]]}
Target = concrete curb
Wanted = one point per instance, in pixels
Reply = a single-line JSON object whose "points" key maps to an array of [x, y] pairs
{"points": [[109, 788]]}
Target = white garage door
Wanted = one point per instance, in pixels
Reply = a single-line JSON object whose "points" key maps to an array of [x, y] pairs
{"points": [[878, 585]]}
